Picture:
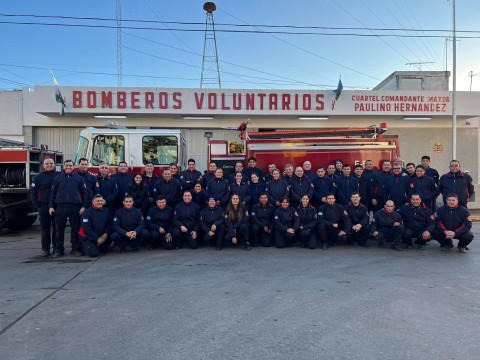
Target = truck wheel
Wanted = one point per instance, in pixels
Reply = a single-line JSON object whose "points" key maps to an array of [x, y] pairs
{"points": [[3, 218], [21, 220]]}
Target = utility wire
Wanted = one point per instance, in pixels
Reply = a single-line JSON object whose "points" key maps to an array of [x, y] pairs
{"points": [[239, 25], [231, 31]]}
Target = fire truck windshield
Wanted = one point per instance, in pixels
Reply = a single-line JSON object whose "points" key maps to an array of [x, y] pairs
{"points": [[82, 149], [109, 149]]}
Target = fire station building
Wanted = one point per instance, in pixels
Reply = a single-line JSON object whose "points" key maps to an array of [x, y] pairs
{"points": [[410, 103]]}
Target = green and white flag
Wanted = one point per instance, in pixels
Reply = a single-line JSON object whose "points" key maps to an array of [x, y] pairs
{"points": [[58, 95]]}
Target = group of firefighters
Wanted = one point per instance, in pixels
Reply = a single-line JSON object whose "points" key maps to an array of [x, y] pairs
{"points": [[333, 205]]}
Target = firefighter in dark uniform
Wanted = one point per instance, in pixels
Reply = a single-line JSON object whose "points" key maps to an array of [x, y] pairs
{"points": [[123, 179], [430, 171], [300, 185], [425, 187], [359, 220], [456, 182], [397, 186], [90, 179], [209, 175], [333, 223], [363, 185], [346, 185], [186, 219], [252, 168], [453, 222], [379, 180], [128, 227], [191, 176], [286, 223], [276, 188], [150, 179], [169, 188], [159, 222], [68, 200], [236, 223], [322, 186], [241, 188], [94, 228], [418, 221], [388, 224], [307, 231], [200, 196], [107, 187], [262, 222], [219, 188], [212, 224], [40, 192]]}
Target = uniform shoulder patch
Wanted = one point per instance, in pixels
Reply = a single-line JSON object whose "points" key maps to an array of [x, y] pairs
{"points": [[320, 213], [148, 217], [85, 220], [276, 217], [33, 184], [253, 213], [115, 219]]}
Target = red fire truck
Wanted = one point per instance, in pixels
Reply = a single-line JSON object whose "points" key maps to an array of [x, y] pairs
{"points": [[19, 163], [320, 147]]}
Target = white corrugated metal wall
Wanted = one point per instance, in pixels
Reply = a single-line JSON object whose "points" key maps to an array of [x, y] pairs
{"points": [[63, 139]]}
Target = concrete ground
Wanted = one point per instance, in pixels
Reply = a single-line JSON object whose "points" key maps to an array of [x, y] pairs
{"points": [[343, 303]]}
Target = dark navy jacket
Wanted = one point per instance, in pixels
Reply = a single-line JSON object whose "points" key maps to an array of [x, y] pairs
{"points": [[307, 216], [200, 198], [206, 178], [379, 181], [242, 190], [140, 196], [263, 215], [68, 190], [128, 220], [187, 215], [210, 216], [220, 189], [171, 191], [322, 186], [459, 183], [90, 183], [151, 182], [157, 218], [95, 223], [382, 219], [107, 187], [123, 180], [248, 173], [286, 218], [255, 191], [456, 219], [345, 187], [299, 187], [276, 189], [189, 178], [41, 188], [233, 224], [357, 214], [433, 174], [364, 188], [427, 189], [418, 219], [334, 214], [397, 188]]}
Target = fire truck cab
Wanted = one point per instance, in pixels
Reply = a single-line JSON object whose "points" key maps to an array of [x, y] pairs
{"points": [[319, 146], [134, 146]]}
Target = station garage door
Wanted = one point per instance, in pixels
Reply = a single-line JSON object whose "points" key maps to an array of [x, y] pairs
{"points": [[63, 139]]}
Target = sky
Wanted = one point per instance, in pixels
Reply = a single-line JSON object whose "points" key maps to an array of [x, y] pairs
{"points": [[167, 56]]}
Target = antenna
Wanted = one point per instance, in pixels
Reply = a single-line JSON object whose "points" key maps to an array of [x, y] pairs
{"points": [[419, 64], [210, 69], [471, 74]]}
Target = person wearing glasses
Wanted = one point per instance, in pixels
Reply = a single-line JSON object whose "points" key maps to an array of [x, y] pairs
{"points": [[456, 182], [397, 186]]}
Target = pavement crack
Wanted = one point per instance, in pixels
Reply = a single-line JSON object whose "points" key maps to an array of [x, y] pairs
{"points": [[6, 328]]}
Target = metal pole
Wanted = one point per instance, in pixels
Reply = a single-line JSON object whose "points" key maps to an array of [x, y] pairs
{"points": [[454, 95], [471, 78]]}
